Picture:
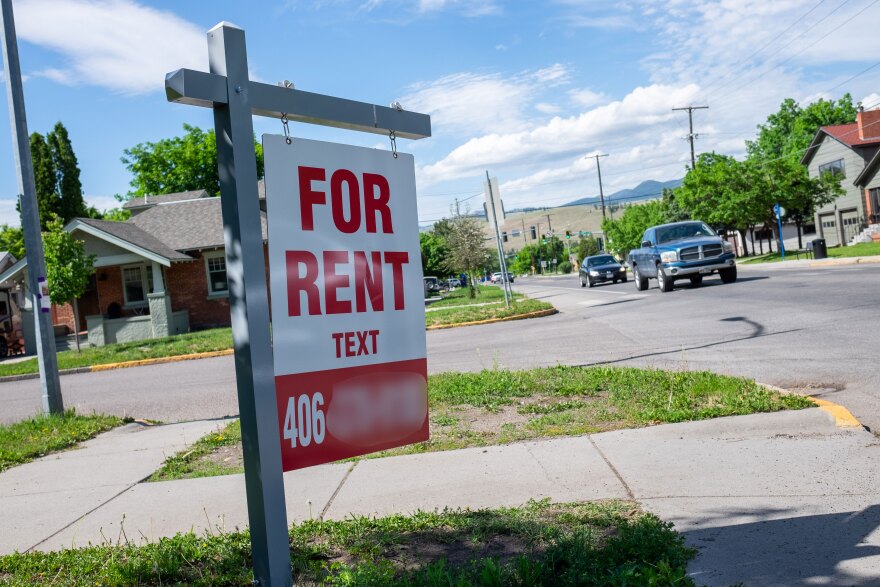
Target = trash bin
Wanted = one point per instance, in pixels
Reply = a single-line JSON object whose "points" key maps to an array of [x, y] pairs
{"points": [[820, 251]]}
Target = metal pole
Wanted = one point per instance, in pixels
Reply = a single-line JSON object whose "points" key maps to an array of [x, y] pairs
{"points": [[779, 221], [504, 285], [249, 306], [30, 217]]}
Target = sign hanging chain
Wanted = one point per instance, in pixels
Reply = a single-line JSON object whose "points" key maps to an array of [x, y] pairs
{"points": [[284, 122], [393, 143]]}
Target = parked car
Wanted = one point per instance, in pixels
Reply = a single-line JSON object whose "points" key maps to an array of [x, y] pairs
{"points": [[432, 286], [454, 282], [496, 277], [601, 268], [681, 250]]}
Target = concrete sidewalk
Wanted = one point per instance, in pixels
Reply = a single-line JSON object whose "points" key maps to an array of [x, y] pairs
{"points": [[770, 499]]}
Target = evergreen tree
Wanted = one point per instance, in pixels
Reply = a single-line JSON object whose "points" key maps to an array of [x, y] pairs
{"points": [[46, 179], [67, 171]]}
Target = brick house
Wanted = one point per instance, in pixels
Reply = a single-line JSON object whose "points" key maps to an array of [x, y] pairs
{"points": [[161, 272], [851, 151]]}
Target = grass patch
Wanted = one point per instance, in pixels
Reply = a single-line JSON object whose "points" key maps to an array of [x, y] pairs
{"points": [[498, 407], [859, 250], [485, 294], [588, 544], [207, 457], [38, 436], [216, 339], [476, 313]]}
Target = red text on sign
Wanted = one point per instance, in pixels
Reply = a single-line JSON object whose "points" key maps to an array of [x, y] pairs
{"points": [[371, 209], [354, 344], [343, 270]]}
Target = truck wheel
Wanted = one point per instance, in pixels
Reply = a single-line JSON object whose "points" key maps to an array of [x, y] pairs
{"points": [[664, 281], [641, 282], [727, 275], [696, 280]]}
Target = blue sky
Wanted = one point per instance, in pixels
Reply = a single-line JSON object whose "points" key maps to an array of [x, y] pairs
{"points": [[524, 89]]}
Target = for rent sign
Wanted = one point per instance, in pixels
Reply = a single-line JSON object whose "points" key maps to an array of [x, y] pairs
{"points": [[348, 314]]}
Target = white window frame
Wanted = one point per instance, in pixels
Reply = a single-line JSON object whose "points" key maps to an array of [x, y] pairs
{"points": [[215, 255], [146, 278]]}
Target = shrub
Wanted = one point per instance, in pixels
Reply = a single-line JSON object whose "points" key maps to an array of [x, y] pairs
{"points": [[565, 267]]}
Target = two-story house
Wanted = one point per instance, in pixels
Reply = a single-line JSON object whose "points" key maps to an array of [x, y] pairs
{"points": [[846, 150]]}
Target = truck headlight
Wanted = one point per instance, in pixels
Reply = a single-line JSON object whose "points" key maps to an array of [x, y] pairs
{"points": [[622, 269], [726, 247], [669, 256]]}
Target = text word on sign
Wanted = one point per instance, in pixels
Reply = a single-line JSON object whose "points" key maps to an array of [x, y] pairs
{"points": [[344, 270]]}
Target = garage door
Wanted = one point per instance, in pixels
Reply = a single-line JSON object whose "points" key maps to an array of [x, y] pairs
{"points": [[851, 226], [828, 222]]}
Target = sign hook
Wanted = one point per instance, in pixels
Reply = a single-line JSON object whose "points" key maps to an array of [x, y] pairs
{"points": [[393, 143]]}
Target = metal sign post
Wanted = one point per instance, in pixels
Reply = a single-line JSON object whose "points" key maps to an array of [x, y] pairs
{"points": [[235, 99], [30, 220], [780, 212]]}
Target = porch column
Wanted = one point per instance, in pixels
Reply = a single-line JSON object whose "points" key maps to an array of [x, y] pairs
{"points": [[160, 304]]}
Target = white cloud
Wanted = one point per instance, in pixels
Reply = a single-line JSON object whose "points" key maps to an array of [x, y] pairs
{"points": [[116, 44], [547, 108], [475, 103], [585, 98], [101, 203], [633, 120], [469, 8], [8, 213], [871, 101]]}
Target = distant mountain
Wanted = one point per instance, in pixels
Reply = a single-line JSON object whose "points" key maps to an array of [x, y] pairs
{"points": [[644, 191]]}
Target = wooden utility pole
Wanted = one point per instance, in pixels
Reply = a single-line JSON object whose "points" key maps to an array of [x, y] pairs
{"points": [[691, 135]]}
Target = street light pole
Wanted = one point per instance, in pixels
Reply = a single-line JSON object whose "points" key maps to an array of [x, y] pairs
{"points": [[30, 218]]}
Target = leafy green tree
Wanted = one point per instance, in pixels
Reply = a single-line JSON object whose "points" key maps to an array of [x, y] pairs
{"points": [[625, 233], [178, 164], [468, 253], [45, 179], [586, 247], [434, 253], [789, 131], [69, 186], [524, 262], [12, 240], [68, 268]]}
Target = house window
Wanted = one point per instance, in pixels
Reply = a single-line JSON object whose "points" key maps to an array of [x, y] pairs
{"points": [[216, 268], [834, 168], [137, 281]]}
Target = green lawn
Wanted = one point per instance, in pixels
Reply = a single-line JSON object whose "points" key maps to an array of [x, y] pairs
{"points": [[540, 544], [460, 297], [859, 250], [183, 344], [38, 436], [500, 406], [476, 313]]}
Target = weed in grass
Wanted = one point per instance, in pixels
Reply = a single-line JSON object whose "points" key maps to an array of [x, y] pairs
{"points": [[38, 436], [478, 313]]}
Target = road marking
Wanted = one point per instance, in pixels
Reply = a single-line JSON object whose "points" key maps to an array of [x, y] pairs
{"points": [[597, 302]]}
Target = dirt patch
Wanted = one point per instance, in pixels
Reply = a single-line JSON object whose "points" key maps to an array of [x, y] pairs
{"points": [[488, 421], [230, 457]]}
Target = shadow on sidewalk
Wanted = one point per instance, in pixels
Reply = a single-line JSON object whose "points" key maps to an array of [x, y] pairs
{"points": [[827, 549]]}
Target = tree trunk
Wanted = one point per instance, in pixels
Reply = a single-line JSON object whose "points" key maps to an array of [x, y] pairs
{"points": [[76, 323], [800, 235], [742, 234]]}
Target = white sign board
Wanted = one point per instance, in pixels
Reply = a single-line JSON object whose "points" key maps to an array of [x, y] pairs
{"points": [[496, 197], [348, 314]]}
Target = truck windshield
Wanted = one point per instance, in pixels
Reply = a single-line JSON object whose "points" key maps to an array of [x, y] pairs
{"points": [[680, 231], [603, 260]]}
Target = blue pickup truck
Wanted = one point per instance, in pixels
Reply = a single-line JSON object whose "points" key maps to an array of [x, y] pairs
{"points": [[681, 250]]}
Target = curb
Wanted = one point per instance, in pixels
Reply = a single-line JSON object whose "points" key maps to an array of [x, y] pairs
{"points": [[537, 314], [843, 418], [846, 261], [123, 365], [158, 360]]}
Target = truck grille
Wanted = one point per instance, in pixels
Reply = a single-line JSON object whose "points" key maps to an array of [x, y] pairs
{"points": [[710, 251], [689, 254], [697, 253]]}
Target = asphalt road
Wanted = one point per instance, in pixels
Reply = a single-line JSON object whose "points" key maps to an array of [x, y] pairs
{"points": [[799, 329]]}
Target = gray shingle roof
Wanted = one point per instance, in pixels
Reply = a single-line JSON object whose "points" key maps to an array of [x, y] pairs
{"points": [[153, 200], [187, 225], [136, 236]]}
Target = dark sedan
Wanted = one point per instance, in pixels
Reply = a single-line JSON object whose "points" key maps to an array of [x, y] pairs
{"points": [[599, 268]]}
